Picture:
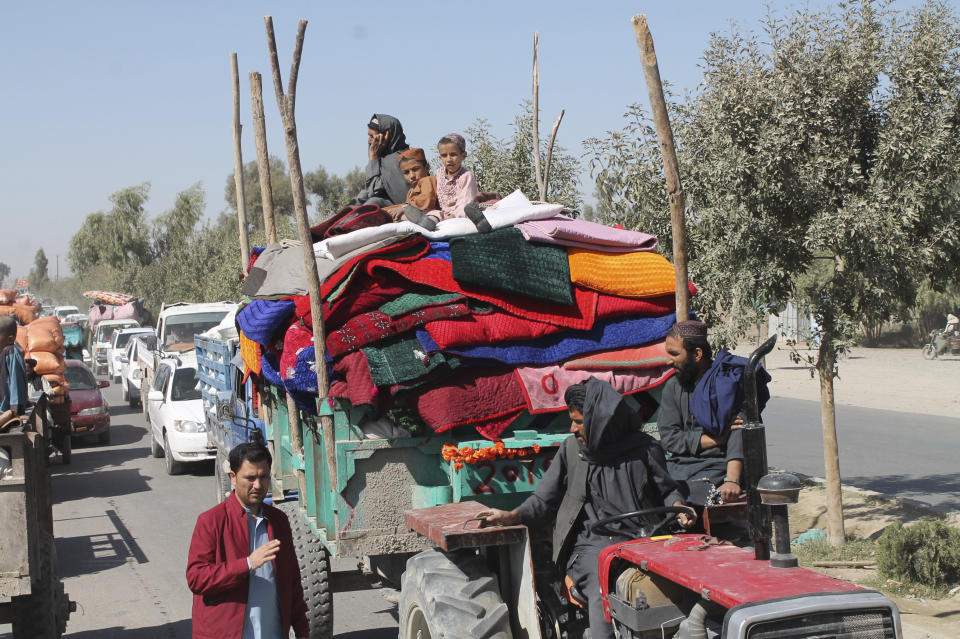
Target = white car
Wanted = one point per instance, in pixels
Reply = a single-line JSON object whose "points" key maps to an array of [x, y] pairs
{"points": [[118, 343], [130, 372], [63, 311], [175, 413], [102, 338]]}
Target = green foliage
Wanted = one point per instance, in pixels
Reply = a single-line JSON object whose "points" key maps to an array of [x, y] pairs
{"points": [[279, 183], [927, 553], [852, 549], [38, 274], [831, 135], [332, 192], [507, 165]]}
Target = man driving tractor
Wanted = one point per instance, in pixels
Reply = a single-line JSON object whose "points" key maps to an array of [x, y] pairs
{"points": [[609, 467]]}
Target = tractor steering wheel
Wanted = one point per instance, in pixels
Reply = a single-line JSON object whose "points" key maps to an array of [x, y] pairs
{"points": [[600, 526]]}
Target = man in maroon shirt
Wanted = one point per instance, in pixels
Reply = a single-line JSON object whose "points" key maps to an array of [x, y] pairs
{"points": [[242, 566]]}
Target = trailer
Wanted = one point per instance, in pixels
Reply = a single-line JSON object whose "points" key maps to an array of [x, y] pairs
{"points": [[32, 596]]}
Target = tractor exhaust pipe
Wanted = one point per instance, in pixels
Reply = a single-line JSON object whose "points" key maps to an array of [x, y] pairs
{"points": [[755, 455]]}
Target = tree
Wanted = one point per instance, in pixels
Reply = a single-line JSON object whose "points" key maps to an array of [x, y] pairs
{"points": [[174, 228], [331, 192], [820, 161], [507, 165], [282, 195], [4, 272], [38, 274]]}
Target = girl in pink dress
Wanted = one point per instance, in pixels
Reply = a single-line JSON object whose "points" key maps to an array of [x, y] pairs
{"points": [[456, 187]]}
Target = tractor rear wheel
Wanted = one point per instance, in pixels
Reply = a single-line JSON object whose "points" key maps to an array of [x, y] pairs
{"points": [[314, 560], [451, 595], [43, 613]]}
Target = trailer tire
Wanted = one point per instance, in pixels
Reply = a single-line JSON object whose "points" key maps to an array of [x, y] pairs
{"points": [[451, 595], [222, 478], [32, 613], [314, 560]]}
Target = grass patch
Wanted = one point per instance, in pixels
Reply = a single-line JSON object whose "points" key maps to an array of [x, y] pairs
{"points": [[853, 549]]}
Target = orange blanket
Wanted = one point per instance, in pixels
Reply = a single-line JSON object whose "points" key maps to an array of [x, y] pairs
{"points": [[637, 274]]}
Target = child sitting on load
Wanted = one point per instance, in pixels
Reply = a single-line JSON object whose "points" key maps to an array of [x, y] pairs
{"points": [[456, 186], [421, 206]]}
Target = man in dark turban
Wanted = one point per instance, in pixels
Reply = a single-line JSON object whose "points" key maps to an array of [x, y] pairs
{"points": [[700, 421], [608, 467]]}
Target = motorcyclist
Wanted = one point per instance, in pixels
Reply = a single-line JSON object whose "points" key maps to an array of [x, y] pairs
{"points": [[953, 326]]}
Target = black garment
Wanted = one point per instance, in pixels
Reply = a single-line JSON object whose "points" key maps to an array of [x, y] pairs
{"points": [[680, 437], [385, 183], [621, 469]]}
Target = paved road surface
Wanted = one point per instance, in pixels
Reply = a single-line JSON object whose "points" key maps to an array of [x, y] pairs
{"points": [[907, 455], [123, 525], [122, 530]]}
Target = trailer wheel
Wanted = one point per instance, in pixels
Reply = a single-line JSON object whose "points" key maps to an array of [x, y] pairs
{"points": [[43, 613], [451, 595], [314, 560], [222, 479]]}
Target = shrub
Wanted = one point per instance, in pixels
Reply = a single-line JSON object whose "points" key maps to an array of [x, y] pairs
{"points": [[927, 552]]}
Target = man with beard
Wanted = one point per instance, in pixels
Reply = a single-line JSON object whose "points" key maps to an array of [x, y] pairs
{"points": [[694, 453], [609, 467]]}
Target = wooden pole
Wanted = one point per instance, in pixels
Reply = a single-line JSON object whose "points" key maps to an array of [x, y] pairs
{"points": [[671, 168], [263, 158], [287, 104], [546, 167], [266, 199], [536, 118], [238, 169]]}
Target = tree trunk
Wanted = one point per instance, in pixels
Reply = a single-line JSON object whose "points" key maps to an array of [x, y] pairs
{"points": [[826, 370], [263, 157]]}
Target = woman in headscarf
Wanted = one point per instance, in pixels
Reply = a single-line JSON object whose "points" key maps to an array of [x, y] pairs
{"points": [[609, 467], [385, 184]]}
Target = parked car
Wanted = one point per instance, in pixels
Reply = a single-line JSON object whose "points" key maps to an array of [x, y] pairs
{"points": [[175, 413], [62, 312], [102, 336], [131, 375], [118, 343], [89, 410]]}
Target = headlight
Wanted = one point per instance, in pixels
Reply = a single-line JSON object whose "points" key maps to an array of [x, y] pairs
{"points": [[186, 426], [96, 410]]}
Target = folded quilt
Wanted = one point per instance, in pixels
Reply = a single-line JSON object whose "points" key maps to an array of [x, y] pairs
{"points": [[499, 326], [552, 349], [439, 275], [407, 250], [400, 360], [543, 387], [296, 339], [503, 261], [586, 235], [374, 326], [262, 320], [488, 399], [637, 274], [632, 358], [352, 380], [510, 210]]}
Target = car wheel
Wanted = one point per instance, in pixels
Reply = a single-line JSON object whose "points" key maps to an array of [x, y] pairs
{"points": [[172, 466], [156, 450], [104, 437]]}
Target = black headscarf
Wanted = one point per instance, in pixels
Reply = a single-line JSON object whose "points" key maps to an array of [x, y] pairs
{"points": [[609, 426], [388, 124]]}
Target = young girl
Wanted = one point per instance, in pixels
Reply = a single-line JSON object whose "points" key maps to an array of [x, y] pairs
{"points": [[456, 187]]}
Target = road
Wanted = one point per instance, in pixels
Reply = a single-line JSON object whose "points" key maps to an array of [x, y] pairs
{"points": [[901, 454], [123, 528]]}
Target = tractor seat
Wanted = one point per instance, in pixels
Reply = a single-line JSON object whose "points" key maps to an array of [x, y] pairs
{"points": [[572, 593]]}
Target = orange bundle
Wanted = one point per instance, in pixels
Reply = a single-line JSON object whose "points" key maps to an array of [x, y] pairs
{"points": [[22, 337], [7, 310], [7, 296], [48, 363], [45, 336], [26, 313]]}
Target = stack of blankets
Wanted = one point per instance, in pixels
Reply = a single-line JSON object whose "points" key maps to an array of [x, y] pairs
{"points": [[458, 328]]}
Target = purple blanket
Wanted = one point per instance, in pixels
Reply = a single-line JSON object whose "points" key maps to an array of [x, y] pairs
{"points": [[586, 235]]}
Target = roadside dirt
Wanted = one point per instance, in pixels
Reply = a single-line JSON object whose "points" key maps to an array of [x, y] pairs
{"points": [[866, 515]]}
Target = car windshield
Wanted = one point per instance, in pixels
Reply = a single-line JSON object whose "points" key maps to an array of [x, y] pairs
{"points": [[79, 378], [106, 332], [186, 385], [123, 338], [182, 328], [64, 312]]}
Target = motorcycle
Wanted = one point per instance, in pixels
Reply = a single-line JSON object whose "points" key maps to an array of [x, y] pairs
{"points": [[940, 344]]}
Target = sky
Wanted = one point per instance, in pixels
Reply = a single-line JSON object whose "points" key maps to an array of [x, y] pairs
{"points": [[99, 96]]}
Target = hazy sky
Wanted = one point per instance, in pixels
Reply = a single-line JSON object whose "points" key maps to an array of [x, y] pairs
{"points": [[99, 96]]}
